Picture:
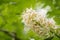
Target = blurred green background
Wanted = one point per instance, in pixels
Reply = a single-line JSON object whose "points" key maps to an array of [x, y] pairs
{"points": [[11, 10]]}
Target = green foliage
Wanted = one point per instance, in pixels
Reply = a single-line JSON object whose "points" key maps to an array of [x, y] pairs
{"points": [[10, 13]]}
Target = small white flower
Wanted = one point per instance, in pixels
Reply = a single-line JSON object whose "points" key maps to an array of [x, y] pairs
{"points": [[32, 39], [37, 21]]}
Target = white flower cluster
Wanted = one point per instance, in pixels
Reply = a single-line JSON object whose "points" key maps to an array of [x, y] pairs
{"points": [[38, 22]]}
